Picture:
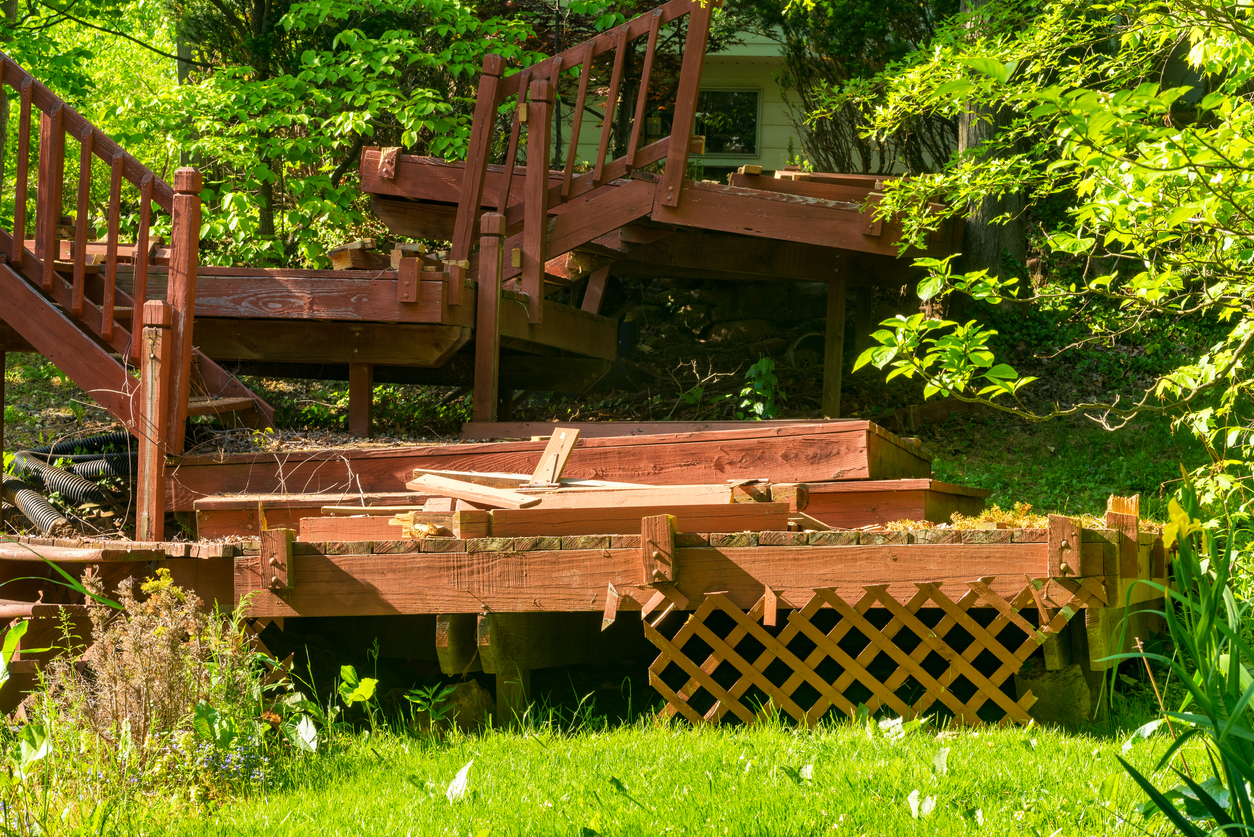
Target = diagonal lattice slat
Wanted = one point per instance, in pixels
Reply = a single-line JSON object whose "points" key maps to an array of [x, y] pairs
{"points": [[898, 660]]}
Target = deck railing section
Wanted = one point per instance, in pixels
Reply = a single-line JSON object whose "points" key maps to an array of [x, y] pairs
{"points": [[531, 90], [91, 295]]}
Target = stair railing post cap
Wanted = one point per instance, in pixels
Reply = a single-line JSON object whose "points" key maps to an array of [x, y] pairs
{"points": [[187, 181], [492, 223]]}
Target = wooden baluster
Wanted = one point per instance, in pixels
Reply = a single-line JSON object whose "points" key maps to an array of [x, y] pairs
{"points": [[611, 104], [23, 165], [488, 317], [471, 199], [181, 295], [111, 251], [48, 200], [511, 153], [642, 98], [156, 340], [536, 196], [80, 221], [581, 101], [139, 291], [686, 103]]}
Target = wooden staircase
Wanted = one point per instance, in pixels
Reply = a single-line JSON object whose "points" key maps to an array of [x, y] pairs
{"points": [[62, 295]]}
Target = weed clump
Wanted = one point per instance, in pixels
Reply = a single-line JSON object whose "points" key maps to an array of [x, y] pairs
{"points": [[128, 710]]}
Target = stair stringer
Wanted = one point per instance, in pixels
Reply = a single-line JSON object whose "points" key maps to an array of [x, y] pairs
{"points": [[58, 338]]}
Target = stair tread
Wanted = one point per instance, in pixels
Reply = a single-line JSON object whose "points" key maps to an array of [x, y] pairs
{"points": [[202, 405]]}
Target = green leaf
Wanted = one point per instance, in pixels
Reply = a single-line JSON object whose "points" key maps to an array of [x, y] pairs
{"points": [[990, 67]]}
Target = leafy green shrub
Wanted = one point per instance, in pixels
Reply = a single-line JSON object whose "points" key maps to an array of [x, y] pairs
{"points": [[1213, 663]]}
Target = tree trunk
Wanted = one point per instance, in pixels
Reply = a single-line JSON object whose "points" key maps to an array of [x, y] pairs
{"points": [[986, 243]]}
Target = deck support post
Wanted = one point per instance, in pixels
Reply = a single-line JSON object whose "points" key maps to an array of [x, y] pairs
{"points": [[181, 295], [833, 357], [863, 318], [471, 197], [156, 350], [488, 317], [361, 399], [536, 190]]}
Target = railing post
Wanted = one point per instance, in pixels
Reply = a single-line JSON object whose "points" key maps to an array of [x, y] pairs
{"points": [[536, 196], [488, 317], [156, 344], [471, 198], [686, 101], [181, 295]]}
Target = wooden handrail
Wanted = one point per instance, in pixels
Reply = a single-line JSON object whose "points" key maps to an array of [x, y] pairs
{"points": [[496, 91]]}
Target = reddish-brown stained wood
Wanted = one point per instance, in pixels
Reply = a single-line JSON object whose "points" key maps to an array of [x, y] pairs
{"points": [[512, 523], [59, 340], [807, 452], [80, 221], [361, 399], [576, 579], [407, 280], [611, 105], [581, 101], [181, 295], [486, 496], [555, 456], [51, 180], [481, 134], [277, 570], [657, 548], [1065, 547], [686, 103], [482, 431], [642, 96], [23, 164], [139, 292], [772, 215], [109, 297], [535, 226], [488, 317], [596, 290], [157, 383], [511, 152]]}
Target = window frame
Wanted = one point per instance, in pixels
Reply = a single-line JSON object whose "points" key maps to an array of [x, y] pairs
{"points": [[757, 123]]}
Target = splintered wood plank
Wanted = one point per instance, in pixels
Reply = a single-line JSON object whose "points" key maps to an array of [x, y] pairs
{"points": [[494, 497], [555, 456]]}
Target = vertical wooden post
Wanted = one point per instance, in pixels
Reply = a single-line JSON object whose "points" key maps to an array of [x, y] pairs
{"points": [[181, 295], [361, 399], [51, 183], [686, 102], [863, 318], [471, 198], [156, 383], [833, 356], [536, 195], [488, 316]]}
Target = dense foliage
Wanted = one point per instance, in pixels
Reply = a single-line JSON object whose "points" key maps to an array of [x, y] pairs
{"points": [[1137, 118]]}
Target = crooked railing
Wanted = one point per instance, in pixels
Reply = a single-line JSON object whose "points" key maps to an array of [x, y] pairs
{"points": [[531, 91], [98, 330]]}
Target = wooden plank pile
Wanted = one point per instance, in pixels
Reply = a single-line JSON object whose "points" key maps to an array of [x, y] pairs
{"points": [[545, 503]]}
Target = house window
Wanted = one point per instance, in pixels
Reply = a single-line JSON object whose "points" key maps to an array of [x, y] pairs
{"points": [[729, 121]]}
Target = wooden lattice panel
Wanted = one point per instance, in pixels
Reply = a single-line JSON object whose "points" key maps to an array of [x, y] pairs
{"points": [[902, 657]]}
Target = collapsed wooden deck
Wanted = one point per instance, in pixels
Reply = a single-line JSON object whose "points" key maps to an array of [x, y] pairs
{"points": [[809, 621]]}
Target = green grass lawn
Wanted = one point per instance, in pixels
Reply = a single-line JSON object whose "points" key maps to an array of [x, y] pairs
{"points": [[653, 779]]}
